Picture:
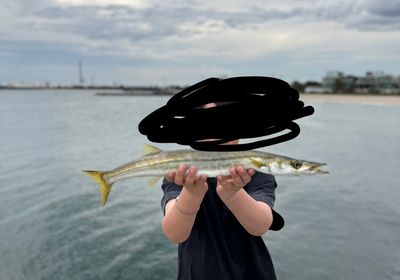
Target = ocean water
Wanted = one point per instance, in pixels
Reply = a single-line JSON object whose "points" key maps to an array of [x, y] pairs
{"points": [[345, 225]]}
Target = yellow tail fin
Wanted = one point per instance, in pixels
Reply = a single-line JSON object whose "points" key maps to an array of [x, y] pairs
{"points": [[104, 187]]}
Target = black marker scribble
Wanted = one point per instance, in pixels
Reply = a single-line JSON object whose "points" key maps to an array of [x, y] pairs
{"points": [[247, 107]]}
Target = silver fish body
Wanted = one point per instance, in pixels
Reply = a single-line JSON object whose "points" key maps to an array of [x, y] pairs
{"points": [[156, 163]]}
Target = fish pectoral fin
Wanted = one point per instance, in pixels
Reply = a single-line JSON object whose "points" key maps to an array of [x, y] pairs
{"points": [[149, 149], [151, 181], [256, 163]]}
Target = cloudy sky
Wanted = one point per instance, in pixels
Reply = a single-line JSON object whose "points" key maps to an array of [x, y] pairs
{"points": [[147, 42]]}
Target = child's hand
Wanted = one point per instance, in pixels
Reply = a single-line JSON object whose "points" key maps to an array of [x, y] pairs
{"points": [[229, 185], [186, 176]]}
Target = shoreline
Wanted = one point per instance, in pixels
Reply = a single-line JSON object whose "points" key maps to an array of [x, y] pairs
{"points": [[352, 98], [373, 99]]}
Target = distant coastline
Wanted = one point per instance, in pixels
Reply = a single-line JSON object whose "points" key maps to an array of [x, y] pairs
{"points": [[106, 90], [171, 90], [384, 99], [334, 82]]}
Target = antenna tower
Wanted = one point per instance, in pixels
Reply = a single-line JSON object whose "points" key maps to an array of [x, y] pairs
{"points": [[81, 79]]}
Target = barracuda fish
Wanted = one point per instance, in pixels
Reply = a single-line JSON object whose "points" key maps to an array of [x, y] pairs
{"points": [[155, 163]]}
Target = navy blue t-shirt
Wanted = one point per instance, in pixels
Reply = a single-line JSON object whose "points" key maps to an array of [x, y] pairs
{"points": [[218, 246]]}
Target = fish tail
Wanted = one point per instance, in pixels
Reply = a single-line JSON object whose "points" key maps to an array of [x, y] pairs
{"points": [[105, 187]]}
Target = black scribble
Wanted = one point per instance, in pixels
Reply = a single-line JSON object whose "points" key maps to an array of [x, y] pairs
{"points": [[242, 107]]}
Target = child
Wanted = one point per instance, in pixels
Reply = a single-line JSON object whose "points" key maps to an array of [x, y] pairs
{"points": [[218, 223]]}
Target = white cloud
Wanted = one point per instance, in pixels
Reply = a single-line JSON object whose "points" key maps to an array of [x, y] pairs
{"points": [[205, 36], [132, 3]]}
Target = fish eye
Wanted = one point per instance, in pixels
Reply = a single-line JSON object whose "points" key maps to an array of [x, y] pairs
{"points": [[297, 164]]}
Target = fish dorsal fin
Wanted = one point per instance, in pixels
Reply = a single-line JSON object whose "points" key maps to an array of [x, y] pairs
{"points": [[149, 149], [256, 163]]}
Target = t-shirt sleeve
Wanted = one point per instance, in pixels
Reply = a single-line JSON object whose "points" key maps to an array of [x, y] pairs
{"points": [[262, 188], [171, 191]]}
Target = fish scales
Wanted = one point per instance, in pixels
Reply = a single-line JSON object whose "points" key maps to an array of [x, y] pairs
{"points": [[156, 163], [208, 163]]}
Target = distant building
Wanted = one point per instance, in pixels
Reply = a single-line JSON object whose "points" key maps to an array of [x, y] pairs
{"points": [[377, 82], [331, 79], [337, 82], [315, 87], [372, 82]]}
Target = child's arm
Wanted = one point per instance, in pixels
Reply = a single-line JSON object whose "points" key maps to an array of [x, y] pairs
{"points": [[180, 213], [254, 216]]}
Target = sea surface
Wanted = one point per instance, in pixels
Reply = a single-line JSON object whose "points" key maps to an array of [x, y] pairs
{"points": [[345, 225]]}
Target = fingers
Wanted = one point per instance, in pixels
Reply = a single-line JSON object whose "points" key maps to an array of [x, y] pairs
{"points": [[238, 177], [202, 181], [190, 179], [187, 176], [170, 176], [244, 174], [251, 172], [180, 174]]}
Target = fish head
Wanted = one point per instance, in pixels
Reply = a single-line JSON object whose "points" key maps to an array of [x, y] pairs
{"points": [[302, 167], [288, 166]]}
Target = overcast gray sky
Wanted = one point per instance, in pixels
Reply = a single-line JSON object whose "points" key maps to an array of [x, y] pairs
{"points": [[151, 42]]}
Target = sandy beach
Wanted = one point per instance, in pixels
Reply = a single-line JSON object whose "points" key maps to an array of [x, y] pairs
{"points": [[352, 98]]}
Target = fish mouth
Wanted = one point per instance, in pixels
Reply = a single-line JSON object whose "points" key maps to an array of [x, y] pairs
{"points": [[318, 168]]}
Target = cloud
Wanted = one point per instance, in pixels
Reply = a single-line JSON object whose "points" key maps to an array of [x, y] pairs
{"points": [[384, 8], [131, 3], [377, 16], [136, 21], [197, 35]]}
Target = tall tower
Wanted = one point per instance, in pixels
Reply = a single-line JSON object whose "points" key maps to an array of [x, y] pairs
{"points": [[81, 79]]}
